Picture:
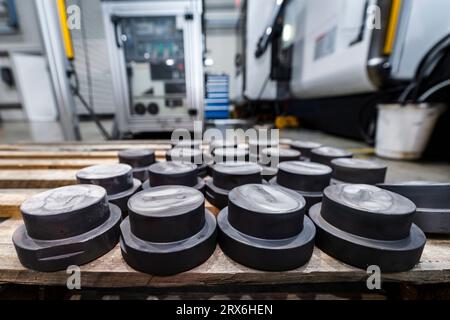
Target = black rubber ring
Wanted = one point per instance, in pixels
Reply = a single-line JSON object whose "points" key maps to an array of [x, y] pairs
{"points": [[359, 171], [121, 199], [230, 175]]}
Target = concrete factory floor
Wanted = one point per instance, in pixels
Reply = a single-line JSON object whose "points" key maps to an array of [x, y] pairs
{"points": [[14, 132]]}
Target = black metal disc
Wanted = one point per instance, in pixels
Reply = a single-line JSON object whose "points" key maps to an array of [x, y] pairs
{"points": [[304, 176], [368, 211], [216, 196], [305, 147], [435, 221], [200, 186], [269, 173], [121, 199], [390, 256], [185, 155], [166, 214], [165, 259], [65, 212], [229, 175], [324, 155], [173, 173], [230, 155], [137, 158], [432, 200], [262, 254], [278, 155], [265, 211], [115, 178], [141, 174], [349, 170], [49, 256], [425, 194], [202, 170], [311, 198]]}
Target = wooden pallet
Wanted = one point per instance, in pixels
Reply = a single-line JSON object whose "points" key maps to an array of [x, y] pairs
{"points": [[26, 170]]}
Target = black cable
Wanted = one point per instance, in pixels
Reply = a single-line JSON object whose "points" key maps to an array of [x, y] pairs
{"points": [[426, 67]]}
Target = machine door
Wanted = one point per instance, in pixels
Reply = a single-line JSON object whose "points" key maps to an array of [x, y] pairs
{"points": [[155, 65], [155, 51]]}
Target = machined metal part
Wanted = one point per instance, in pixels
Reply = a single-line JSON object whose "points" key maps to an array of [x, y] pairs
{"points": [[173, 173], [265, 211], [303, 176], [216, 196], [137, 158], [269, 173], [432, 200], [360, 171], [229, 175], [390, 256], [115, 178], [166, 214], [121, 199], [55, 255], [65, 212], [140, 173], [305, 147], [368, 211], [169, 258], [265, 254], [268, 155], [311, 197], [325, 155]]}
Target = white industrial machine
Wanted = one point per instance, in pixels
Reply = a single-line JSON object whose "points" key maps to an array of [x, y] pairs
{"points": [[156, 57], [347, 47], [254, 61]]}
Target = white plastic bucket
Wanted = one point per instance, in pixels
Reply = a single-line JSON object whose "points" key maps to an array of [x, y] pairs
{"points": [[403, 131]]}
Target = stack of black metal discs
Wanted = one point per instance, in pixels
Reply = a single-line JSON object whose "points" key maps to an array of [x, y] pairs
{"points": [[117, 179], [308, 179], [325, 155], [264, 227], [227, 176], [174, 173], [189, 155], [305, 147], [363, 225], [168, 230], [139, 160], [432, 200], [361, 171], [66, 226]]}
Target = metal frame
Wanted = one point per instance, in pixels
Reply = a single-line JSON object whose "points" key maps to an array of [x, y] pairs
{"points": [[47, 12], [193, 56]]}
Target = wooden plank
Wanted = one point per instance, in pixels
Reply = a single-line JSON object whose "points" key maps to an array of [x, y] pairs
{"points": [[52, 163], [111, 146], [38, 178], [57, 154], [110, 271], [11, 199]]}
